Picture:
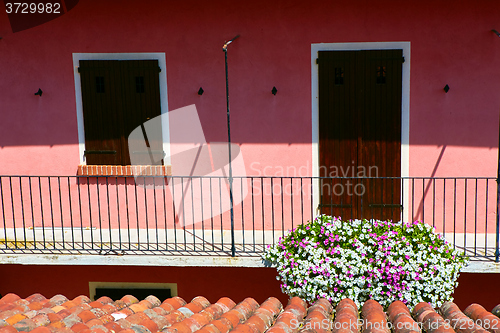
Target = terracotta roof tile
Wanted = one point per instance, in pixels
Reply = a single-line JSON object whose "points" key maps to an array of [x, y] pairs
{"points": [[400, 317], [484, 318], [15, 318], [223, 325], [41, 330], [346, 317], [9, 298], [175, 302], [201, 301], [459, 320], [124, 324], [35, 298], [496, 310], [430, 319], [210, 328], [86, 315], [38, 314], [318, 314]]}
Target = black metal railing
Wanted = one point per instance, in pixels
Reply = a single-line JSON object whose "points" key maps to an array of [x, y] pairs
{"points": [[192, 215]]}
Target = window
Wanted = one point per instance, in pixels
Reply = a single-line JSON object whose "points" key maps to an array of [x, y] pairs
{"points": [[117, 97], [116, 290]]}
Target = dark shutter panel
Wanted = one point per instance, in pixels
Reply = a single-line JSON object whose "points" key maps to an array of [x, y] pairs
{"points": [[338, 131], [141, 89], [101, 99], [382, 131]]}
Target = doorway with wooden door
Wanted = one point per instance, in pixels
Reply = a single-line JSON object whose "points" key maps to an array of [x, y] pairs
{"points": [[360, 133]]}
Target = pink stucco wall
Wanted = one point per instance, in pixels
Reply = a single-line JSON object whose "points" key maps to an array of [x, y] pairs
{"points": [[451, 134]]}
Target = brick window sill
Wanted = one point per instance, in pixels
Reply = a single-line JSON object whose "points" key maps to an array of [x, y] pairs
{"points": [[124, 170]]}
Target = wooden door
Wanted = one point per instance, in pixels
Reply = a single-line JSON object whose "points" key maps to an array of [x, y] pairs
{"points": [[360, 133]]}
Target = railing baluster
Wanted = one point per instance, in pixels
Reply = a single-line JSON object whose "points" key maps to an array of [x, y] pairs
{"points": [[99, 213], [465, 215], [52, 215], [175, 217], [423, 200], [191, 180], [302, 201], [32, 212], [41, 211], [434, 202], [128, 214], [22, 211], [117, 189], [212, 214], [137, 215], [486, 221], [272, 207], [262, 210], [253, 213], [70, 215], [392, 198], [146, 210], [90, 215], [20, 192], [109, 216], [154, 178], [361, 199], [330, 194], [220, 211], [61, 211], [183, 204], [282, 209], [163, 180], [291, 201], [242, 215], [475, 219], [444, 209], [202, 215], [3, 213], [412, 199], [13, 212], [454, 210], [312, 196]]}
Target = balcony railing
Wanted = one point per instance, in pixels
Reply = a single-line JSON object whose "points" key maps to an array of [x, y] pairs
{"points": [[196, 216]]}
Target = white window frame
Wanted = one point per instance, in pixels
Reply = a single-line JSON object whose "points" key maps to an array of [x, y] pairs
{"points": [[405, 103], [122, 56]]}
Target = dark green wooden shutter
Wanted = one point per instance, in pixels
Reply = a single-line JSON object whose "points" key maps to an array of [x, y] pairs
{"points": [[141, 95]]}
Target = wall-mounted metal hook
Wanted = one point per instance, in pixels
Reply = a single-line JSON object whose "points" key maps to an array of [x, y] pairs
{"points": [[274, 91], [201, 91], [39, 92]]}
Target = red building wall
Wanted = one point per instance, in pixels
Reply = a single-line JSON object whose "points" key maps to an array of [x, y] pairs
{"points": [[210, 282]]}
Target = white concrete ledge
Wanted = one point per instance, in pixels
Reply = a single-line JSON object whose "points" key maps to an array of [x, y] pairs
{"points": [[482, 267], [131, 260], [174, 260]]}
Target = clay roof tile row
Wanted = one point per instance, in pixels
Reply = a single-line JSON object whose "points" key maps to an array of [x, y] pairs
{"points": [[36, 314]]}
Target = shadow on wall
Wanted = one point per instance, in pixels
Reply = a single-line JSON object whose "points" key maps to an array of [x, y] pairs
{"points": [[28, 15]]}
